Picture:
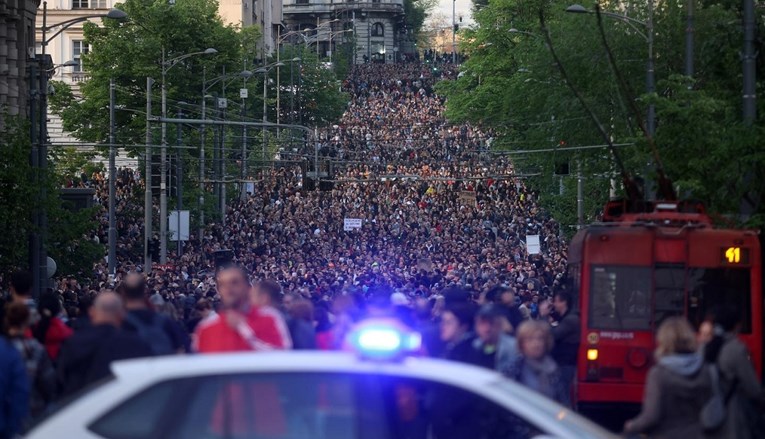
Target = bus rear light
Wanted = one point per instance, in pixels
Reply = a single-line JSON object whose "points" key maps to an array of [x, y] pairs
{"points": [[592, 355]]}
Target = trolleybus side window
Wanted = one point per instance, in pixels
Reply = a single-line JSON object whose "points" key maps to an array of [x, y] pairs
{"points": [[711, 287], [620, 298], [670, 291]]}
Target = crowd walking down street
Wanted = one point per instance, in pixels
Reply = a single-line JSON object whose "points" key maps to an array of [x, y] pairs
{"points": [[441, 247]]}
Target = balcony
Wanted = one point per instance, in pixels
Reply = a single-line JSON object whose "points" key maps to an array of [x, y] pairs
{"points": [[320, 7]]}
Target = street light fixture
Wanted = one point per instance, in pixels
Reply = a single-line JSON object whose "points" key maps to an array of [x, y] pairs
{"points": [[114, 14], [39, 153], [166, 66], [648, 34]]}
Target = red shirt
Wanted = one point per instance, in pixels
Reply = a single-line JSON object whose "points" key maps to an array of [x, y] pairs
{"points": [[264, 330], [57, 333]]}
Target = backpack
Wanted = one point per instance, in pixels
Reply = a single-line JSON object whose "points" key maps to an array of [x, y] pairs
{"points": [[714, 411], [153, 334]]}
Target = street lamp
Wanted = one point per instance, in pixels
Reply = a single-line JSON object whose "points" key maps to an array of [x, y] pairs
{"points": [[265, 71], [114, 14], [39, 153], [647, 33], [166, 66], [331, 34]]}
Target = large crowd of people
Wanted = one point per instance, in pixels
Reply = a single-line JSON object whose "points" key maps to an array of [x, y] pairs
{"points": [[437, 239]]}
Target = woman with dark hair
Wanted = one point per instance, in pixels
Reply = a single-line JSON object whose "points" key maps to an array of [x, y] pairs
{"points": [[51, 331], [738, 377], [457, 332]]}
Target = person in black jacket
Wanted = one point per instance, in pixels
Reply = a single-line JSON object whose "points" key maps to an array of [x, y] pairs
{"points": [[86, 356], [566, 332], [457, 333], [504, 298]]}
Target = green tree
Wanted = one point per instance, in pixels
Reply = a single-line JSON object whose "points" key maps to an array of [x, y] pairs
{"points": [[511, 86], [131, 51], [70, 234]]}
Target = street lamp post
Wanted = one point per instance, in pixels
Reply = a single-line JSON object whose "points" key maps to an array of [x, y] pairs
{"points": [[166, 66], [39, 158], [648, 35], [265, 70], [454, 31], [331, 34], [112, 262]]}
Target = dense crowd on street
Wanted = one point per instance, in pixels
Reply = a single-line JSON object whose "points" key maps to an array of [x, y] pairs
{"points": [[441, 245]]}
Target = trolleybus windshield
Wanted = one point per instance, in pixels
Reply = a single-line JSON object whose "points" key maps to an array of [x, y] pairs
{"points": [[621, 296], [709, 288]]}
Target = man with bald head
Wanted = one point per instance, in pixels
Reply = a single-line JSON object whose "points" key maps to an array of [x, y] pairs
{"points": [[86, 356]]}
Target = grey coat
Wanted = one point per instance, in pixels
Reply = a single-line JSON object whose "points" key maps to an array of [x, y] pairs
{"points": [[736, 369], [675, 391]]}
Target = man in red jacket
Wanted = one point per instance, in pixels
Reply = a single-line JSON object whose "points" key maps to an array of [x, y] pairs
{"points": [[240, 326]]}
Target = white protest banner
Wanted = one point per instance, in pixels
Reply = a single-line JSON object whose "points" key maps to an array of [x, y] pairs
{"points": [[178, 225], [351, 223], [532, 244]]}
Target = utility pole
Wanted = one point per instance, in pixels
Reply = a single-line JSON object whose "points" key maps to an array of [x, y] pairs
{"points": [[201, 231], [650, 77], [112, 262], [243, 170], [163, 172], [148, 207], [689, 30], [179, 183], [34, 236], [265, 112], [454, 31], [748, 59], [579, 195]]}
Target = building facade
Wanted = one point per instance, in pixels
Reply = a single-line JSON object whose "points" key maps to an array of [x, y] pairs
{"points": [[374, 29], [266, 14], [17, 47]]}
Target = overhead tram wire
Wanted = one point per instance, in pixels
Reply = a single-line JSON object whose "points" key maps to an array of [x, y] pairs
{"points": [[665, 185], [633, 192]]}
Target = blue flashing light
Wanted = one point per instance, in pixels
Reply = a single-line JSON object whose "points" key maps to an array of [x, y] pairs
{"points": [[380, 340], [384, 340]]}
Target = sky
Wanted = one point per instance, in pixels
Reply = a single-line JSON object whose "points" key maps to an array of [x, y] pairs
{"points": [[444, 10]]}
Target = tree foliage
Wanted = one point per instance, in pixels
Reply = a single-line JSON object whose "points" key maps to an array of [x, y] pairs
{"points": [[70, 234], [510, 85]]}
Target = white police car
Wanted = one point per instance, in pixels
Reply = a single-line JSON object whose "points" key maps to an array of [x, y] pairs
{"points": [[374, 394]]}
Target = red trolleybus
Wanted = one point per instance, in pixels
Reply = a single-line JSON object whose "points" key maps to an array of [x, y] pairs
{"points": [[633, 270]]}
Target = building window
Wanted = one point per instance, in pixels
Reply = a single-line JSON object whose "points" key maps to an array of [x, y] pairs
{"points": [[378, 30], [79, 48], [89, 4], [301, 2]]}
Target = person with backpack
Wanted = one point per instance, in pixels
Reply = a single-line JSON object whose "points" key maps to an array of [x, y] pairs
{"points": [[158, 331], [677, 388], [743, 394], [86, 357]]}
